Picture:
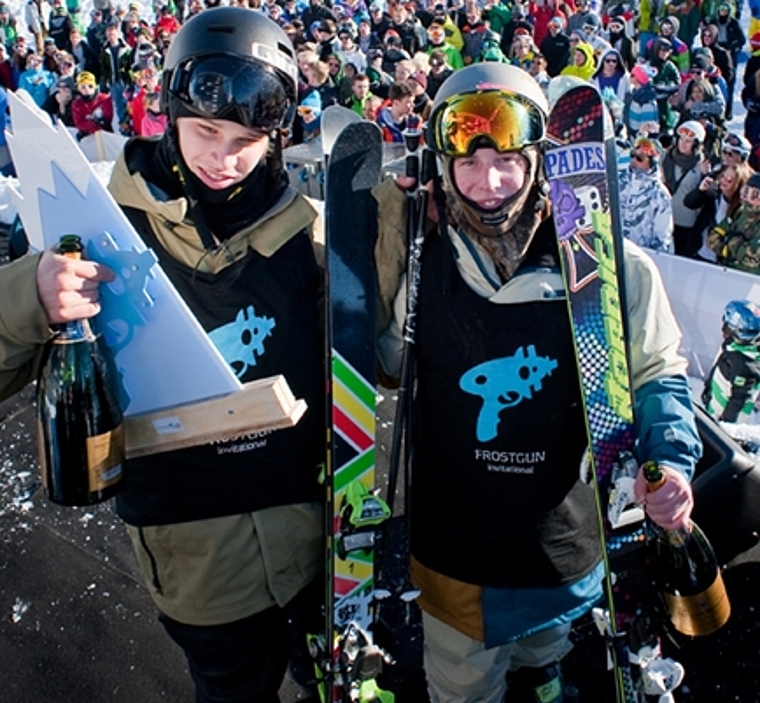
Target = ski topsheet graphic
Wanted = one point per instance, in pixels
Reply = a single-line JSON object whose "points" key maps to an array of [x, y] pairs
{"points": [[576, 167], [141, 310], [347, 659]]}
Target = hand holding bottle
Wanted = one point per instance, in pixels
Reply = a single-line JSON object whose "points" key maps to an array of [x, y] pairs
{"points": [[670, 505], [68, 288]]}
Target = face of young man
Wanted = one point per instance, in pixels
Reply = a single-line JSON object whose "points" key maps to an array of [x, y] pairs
{"points": [[220, 153], [489, 177], [360, 89], [402, 107]]}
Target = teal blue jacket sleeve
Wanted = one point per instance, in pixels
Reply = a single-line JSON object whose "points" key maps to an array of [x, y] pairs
{"points": [[665, 425]]}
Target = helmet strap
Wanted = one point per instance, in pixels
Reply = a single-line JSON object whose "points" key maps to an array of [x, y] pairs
{"points": [[196, 211]]}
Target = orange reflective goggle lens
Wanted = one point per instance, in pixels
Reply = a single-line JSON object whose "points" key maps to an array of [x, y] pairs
{"points": [[684, 131], [646, 147], [507, 120]]}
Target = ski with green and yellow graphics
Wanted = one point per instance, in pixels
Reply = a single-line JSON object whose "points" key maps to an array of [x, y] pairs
{"points": [[583, 183], [347, 659]]}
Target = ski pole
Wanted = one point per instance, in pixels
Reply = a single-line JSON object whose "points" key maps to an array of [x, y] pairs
{"points": [[416, 210], [412, 137]]}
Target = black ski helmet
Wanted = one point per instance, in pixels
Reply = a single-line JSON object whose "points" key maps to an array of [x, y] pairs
{"points": [[231, 63]]}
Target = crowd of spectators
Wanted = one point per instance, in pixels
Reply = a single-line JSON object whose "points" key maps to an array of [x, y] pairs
{"points": [[666, 70]]}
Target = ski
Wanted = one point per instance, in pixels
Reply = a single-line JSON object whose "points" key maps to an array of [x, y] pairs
{"points": [[347, 659], [583, 178]]}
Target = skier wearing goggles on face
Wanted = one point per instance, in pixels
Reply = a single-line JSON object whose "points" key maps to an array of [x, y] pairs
{"points": [[504, 540], [229, 534]]}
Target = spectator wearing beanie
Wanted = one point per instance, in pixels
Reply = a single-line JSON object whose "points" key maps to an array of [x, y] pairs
{"points": [[422, 102], [640, 109], [621, 42], [556, 47]]}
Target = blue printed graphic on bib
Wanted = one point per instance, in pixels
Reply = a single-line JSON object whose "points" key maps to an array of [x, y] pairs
{"points": [[504, 383], [241, 342]]}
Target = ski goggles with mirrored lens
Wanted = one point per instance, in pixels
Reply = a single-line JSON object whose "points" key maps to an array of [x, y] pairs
{"points": [[686, 132], [229, 88], [507, 120], [646, 147]]}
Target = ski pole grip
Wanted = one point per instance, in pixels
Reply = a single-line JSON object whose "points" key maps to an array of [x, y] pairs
{"points": [[412, 166], [428, 168]]}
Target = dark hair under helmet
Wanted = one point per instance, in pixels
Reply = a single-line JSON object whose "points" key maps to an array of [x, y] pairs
{"points": [[231, 63]]}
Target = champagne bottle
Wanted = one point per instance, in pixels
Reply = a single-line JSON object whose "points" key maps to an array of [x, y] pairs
{"points": [[81, 431], [687, 571]]}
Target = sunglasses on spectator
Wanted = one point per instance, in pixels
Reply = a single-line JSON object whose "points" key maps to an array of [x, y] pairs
{"points": [[640, 158], [750, 193], [574, 41], [728, 151], [435, 64], [611, 60]]}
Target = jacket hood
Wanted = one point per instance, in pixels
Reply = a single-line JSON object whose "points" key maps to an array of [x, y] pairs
{"points": [[586, 70], [674, 21], [620, 65]]}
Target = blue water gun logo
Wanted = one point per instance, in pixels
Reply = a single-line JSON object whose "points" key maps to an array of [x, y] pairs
{"points": [[505, 383], [241, 341]]}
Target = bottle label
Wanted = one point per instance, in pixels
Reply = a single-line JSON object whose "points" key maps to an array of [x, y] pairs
{"points": [[105, 458], [701, 614]]}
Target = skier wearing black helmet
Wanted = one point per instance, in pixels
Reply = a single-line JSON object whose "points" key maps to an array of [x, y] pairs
{"points": [[229, 534], [504, 540]]}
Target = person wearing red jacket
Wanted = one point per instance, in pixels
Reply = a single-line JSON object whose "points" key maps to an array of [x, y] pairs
{"points": [[91, 110], [166, 22]]}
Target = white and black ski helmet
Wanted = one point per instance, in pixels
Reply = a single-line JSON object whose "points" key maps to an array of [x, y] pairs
{"points": [[691, 129], [487, 102], [231, 63]]}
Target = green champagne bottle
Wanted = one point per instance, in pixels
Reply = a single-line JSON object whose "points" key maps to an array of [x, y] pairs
{"points": [[687, 571], [81, 426]]}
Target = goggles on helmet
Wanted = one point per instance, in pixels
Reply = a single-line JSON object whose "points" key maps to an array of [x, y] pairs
{"points": [[687, 132], [736, 144], [229, 88], [507, 120], [646, 147]]}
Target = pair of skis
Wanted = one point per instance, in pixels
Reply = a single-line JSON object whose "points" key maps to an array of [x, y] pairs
{"points": [[347, 659]]}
